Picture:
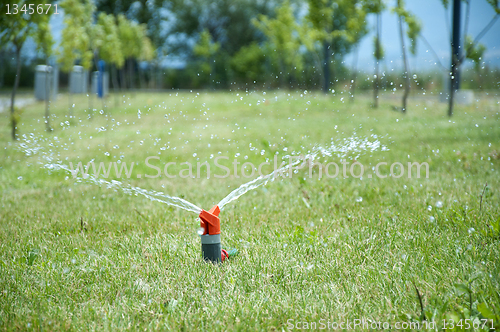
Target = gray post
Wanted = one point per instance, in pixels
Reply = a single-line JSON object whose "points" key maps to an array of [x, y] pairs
{"points": [[211, 248]]}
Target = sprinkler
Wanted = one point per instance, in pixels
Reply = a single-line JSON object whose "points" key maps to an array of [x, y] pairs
{"points": [[210, 239]]}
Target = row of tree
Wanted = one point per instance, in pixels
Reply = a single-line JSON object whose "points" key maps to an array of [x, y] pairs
{"points": [[287, 42], [296, 41], [88, 36]]}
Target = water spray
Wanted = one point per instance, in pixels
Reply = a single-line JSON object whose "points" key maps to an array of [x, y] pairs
{"points": [[209, 220]]}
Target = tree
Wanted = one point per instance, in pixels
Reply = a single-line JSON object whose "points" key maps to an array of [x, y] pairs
{"points": [[283, 40], [229, 22], [474, 51], [152, 14], [206, 49], [127, 35], [148, 52], [413, 30], [457, 57], [16, 29], [76, 41], [110, 49], [247, 62], [337, 25], [45, 43], [376, 7]]}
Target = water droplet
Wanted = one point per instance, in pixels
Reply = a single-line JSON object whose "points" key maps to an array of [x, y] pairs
{"points": [[432, 219], [200, 231], [20, 178], [471, 230], [439, 204], [359, 199], [429, 208]]}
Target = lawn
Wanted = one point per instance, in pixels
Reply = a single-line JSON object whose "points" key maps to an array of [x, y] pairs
{"points": [[78, 256]]}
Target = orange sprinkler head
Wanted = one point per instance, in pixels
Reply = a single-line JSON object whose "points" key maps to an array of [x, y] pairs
{"points": [[210, 221]]}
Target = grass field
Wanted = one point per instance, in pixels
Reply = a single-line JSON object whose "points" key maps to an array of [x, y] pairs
{"points": [[77, 256]]}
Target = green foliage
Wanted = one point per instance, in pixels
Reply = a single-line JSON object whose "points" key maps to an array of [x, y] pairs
{"points": [[283, 39], [205, 47], [379, 49], [495, 4], [126, 33], [247, 63], [473, 51], [43, 37], [229, 22], [373, 6], [414, 26], [111, 49], [341, 22], [320, 15], [134, 40], [17, 28], [148, 51], [78, 36], [16, 116]]}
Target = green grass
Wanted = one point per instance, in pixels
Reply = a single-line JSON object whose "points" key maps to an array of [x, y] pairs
{"points": [[75, 256]]}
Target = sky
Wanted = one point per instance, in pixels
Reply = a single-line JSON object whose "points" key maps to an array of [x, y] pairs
{"points": [[431, 14]]}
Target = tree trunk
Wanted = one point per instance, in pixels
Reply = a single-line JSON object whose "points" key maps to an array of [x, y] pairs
{"points": [[123, 84], [131, 73], [455, 55], [354, 71], [152, 80], [142, 80], [405, 61], [376, 81], [2, 69], [326, 67], [115, 84], [70, 109], [14, 90], [47, 97]]}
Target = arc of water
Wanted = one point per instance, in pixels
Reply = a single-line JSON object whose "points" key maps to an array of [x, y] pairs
{"points": [[29, 147], [350, 145]]}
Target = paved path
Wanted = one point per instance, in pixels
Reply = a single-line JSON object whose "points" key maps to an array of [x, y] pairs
{"points": [[20, 102]]}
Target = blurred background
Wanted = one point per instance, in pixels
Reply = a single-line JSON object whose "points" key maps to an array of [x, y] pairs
{"points": [[327, 45]]}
